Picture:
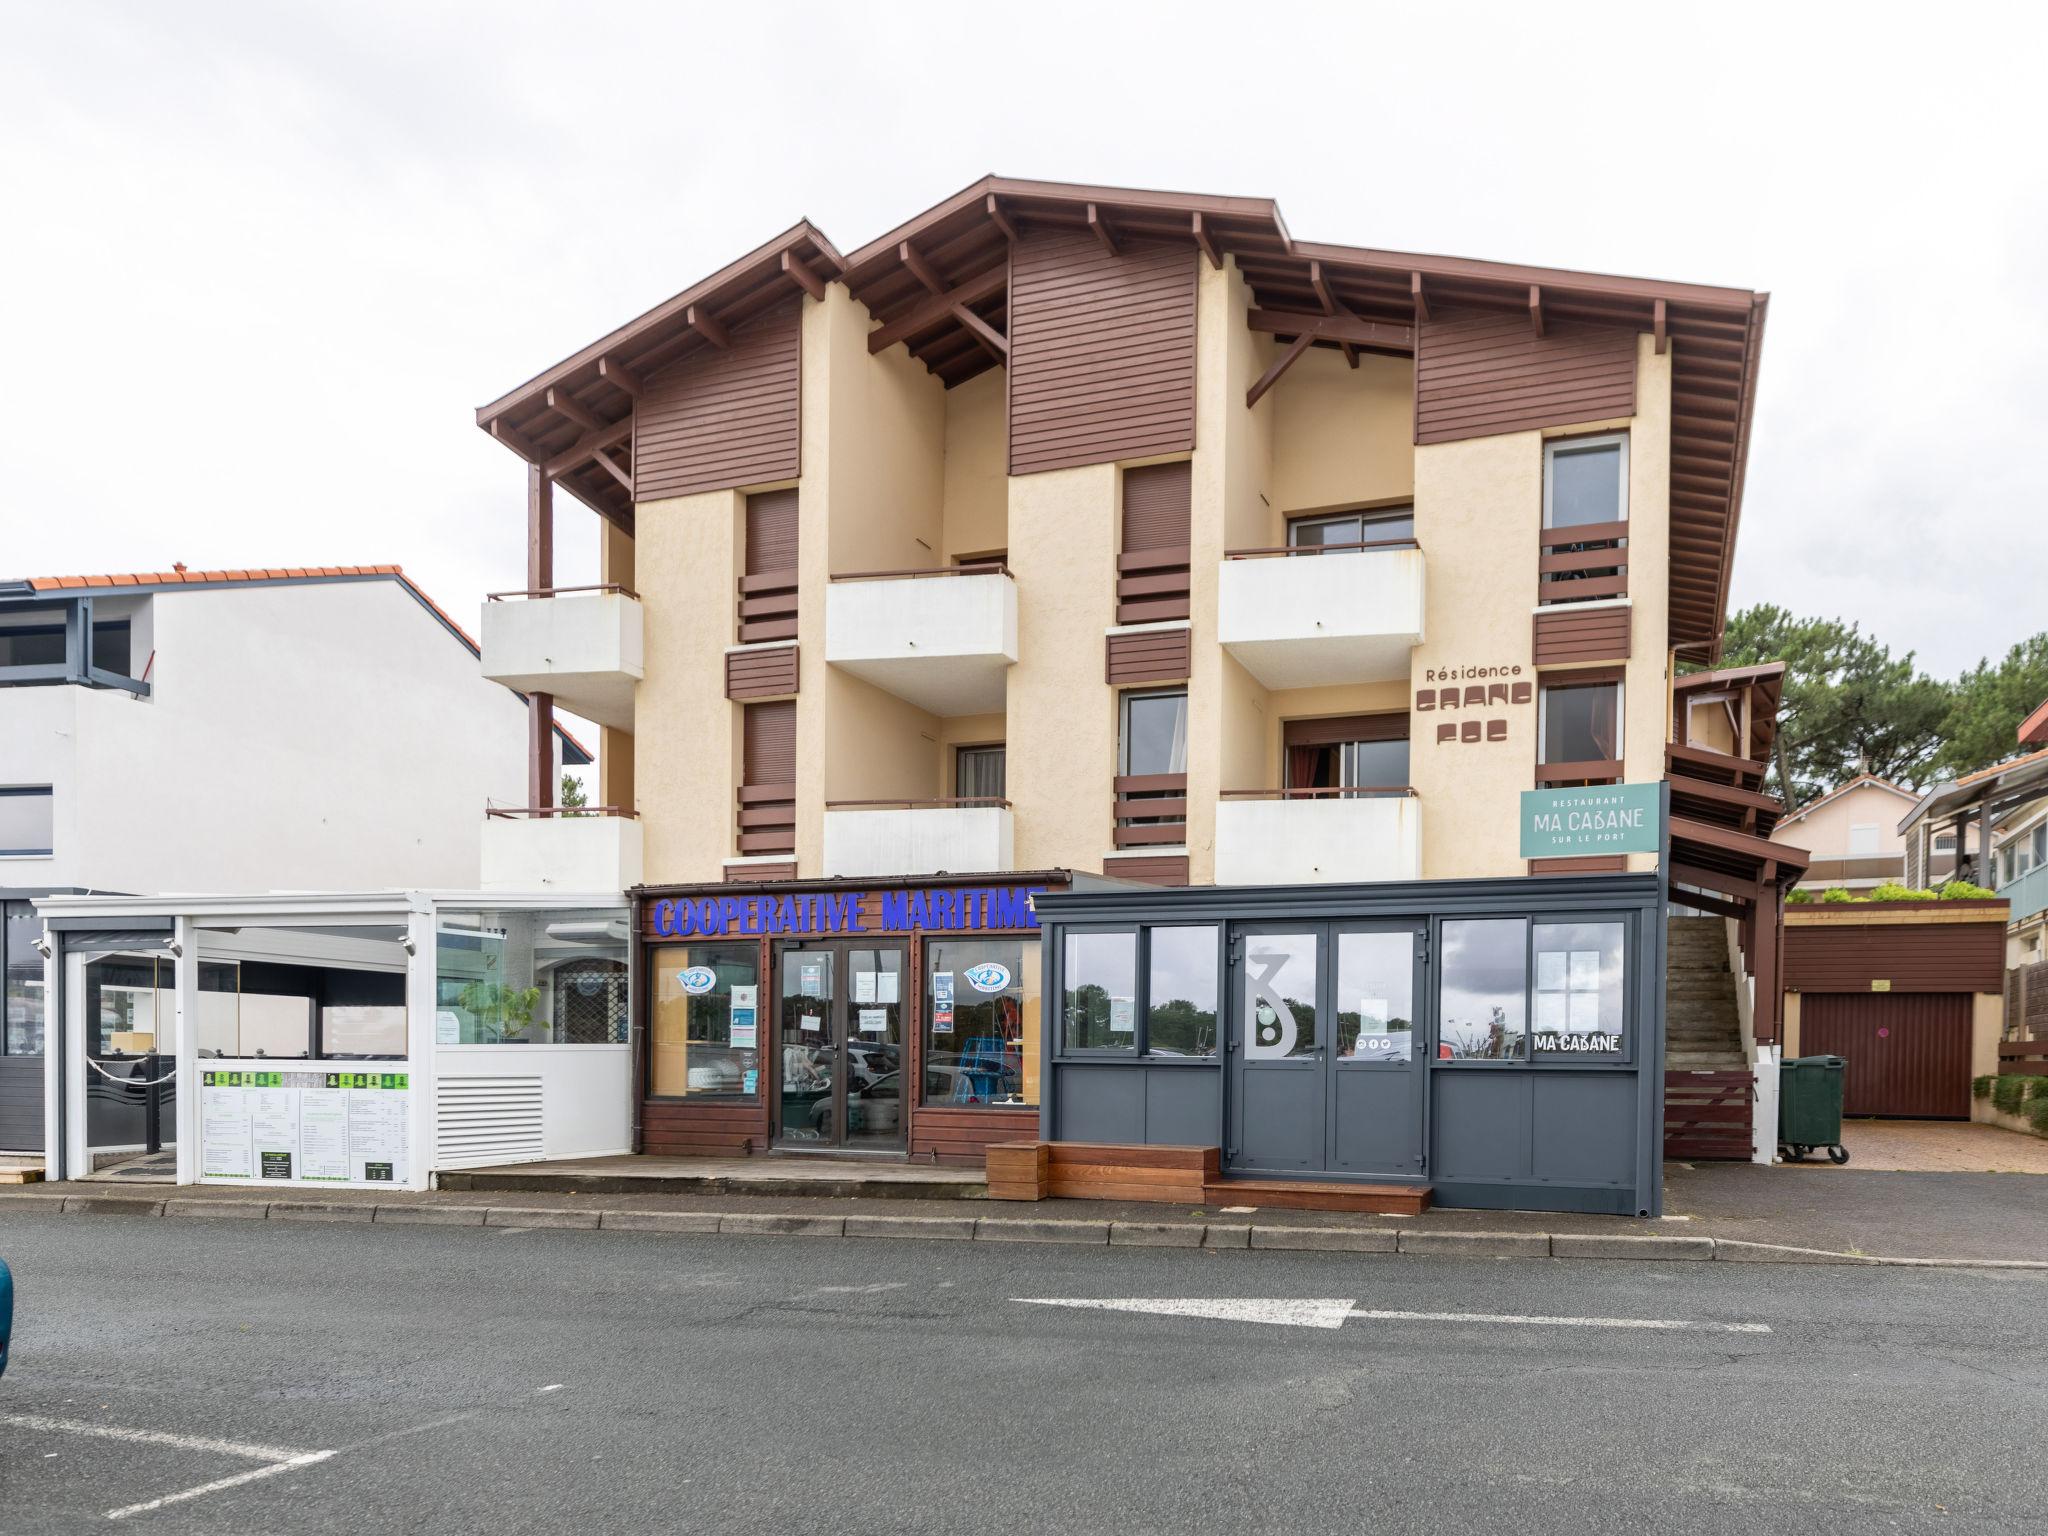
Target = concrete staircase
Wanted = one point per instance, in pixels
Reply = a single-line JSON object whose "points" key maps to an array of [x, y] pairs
{"points": [[1702, 1030]]}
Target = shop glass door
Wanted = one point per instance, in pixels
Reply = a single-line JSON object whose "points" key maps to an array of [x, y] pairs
{"points": [[1326, 1050], [840, 1016]]}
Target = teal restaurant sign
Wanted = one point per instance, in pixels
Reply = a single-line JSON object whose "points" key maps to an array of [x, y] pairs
{"points": [[1598, 819]]}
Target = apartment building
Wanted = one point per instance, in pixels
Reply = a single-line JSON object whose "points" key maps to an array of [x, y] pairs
{"points": [[1069, 534]]}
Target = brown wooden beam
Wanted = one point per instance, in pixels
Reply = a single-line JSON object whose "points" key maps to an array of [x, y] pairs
{"points": [[919, 267], [701, 322], [992, 340], [1536, 308], [1208, 245], [514, 441], [587, 447], [562, 403], [1715, 880], [1421, 299], [1658, 321], [618, 373], [794, 268], [1099, 228], [540, 529], [1001, 220], [607, 462], [540, 750], [1331, 306], [931, 311], [1286, 360], [1374, 335]]}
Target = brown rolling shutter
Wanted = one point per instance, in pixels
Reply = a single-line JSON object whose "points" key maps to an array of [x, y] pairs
{"points": [[771, 532], [1156, 506], [769, 752], [1392, 726], [1481, 375], [1102, 350], [723, 416]]}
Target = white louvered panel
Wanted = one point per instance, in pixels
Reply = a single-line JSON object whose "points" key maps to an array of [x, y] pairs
{"points": [[480, 1120]]}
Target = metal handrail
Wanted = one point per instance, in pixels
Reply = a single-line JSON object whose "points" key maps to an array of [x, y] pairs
{"points": [[938, 803], [1319, 549], [978, 568], [542, 812], [602, 586], [1343, 792]]}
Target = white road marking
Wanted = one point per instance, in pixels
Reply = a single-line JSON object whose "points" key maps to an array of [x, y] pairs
{"points": [[152, 1437], [311, 1458], [552, 1387], [1325, 1313]]}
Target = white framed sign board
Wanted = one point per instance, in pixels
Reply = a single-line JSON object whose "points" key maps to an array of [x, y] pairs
{"points": [[275, 1123]]}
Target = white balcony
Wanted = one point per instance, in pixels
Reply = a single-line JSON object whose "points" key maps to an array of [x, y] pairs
{"points": [[1321, 841], [590, 855], [1304, 621], [939, 640], [872, 841], [585, 648]]}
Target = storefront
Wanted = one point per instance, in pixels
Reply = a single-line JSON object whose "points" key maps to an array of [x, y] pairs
{"points": [[1497, 1041], [847, 1017]]}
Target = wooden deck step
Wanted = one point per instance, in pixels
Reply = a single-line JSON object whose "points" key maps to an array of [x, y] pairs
{"points": [[1309, 1195]]}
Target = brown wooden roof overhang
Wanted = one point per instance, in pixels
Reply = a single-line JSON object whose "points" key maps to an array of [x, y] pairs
{"points": [[1765, 684], [939, 284], [583, 406]]}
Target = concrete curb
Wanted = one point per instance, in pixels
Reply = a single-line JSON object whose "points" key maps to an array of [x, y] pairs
{"points": [[998, 1229]]}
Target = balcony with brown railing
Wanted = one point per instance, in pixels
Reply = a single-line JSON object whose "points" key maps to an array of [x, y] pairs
{"points": [[583, 848], [767, 607], [1581, 564], [767, 818], [956, 834], [581, 646], [943, 639], [1151, 810], [1152, 585], [1578, 775]]}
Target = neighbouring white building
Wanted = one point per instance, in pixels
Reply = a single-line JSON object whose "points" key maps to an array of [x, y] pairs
{"points": [[318, 729]]}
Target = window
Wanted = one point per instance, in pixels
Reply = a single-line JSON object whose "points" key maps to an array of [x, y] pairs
{"points": [[527, 977], [1099, 992], [1863, 840], [2041, 845], [1155, 733], [1580, 1003], [28, 820], [1180, 992], [1945, 843], [978, 773], [1580, 723], [1484, 1008], [1361, 752], [982, 1022], [1385, 525], [42, 645], [26, 1007], [1585, 481], [705, 1020], [1376, 997]]}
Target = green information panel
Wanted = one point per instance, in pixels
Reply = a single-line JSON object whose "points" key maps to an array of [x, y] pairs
{"points": [[1602, 819]]}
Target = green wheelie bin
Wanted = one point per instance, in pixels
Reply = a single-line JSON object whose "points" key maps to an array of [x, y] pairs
{"points": [[1810, 1107]]}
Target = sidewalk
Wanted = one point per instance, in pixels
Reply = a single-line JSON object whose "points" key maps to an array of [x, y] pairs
{"points": [[1725, 1211]]}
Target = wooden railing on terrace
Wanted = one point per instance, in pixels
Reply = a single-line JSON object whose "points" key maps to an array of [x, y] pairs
{"points": [[767, 606], [767, 818], [1152, 585], [1151, 809], [1582, 563]]}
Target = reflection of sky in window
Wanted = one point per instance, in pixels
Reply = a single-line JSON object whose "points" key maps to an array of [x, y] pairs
{"points": [[1376, 968], [1604, 940], [1184, 966], [1485, 966]]}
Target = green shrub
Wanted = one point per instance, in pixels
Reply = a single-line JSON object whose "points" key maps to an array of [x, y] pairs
{"points": [[2007, 1093], [1798, 896], [1980, 1087], [2037, 1087], [1891, 890], [1962, 890], [2037, 1114], [1835, 895]]}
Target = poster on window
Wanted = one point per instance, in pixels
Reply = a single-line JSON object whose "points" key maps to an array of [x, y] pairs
{"points": [[942, 1002], [305, 1127], [745, 1021]]}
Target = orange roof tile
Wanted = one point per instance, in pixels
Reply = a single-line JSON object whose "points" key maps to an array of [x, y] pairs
{"points": [[2009, 763]]}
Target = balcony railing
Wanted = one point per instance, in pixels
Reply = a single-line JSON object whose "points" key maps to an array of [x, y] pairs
{"points": [[1322, 615], [1151, 809], [767, 818], [1579, 564], [943, 639], [767, 607], [1318, 836], [2028, 894], [583, 646], [963, 834], [1574, 775], [1152, 585], [593, 849]]}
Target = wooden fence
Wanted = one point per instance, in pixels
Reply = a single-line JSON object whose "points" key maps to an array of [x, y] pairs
{"points": [[2026, 1002], [1707, 1115]]}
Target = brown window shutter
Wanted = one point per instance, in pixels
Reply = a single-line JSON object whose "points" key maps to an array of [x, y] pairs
{"points": [[1342, 728], [1156, 502], [769, 752], [771, 532]]}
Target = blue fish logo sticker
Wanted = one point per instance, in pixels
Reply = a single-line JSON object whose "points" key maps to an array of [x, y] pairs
{"points": [[988, 978], [697, 979]]}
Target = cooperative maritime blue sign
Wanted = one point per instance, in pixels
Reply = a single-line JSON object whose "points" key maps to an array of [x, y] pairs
{"points": [[951, 909]]}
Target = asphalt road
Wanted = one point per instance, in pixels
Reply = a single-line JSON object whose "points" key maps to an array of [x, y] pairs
{"points": [[481, 1380]]}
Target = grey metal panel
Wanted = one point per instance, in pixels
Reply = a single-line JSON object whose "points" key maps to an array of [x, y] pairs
{"points": [[1186, 904], [21, 1103], [1585, 1127], [1184, 1107], [1482, 1125], [1376, 1116], [1280, 1116], [1105, 1103]]}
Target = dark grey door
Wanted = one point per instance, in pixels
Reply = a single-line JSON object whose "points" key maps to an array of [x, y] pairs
{"points": [[1326, 1049], [1377, 1052]]}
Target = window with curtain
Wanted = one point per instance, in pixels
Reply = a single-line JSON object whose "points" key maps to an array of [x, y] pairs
{"points": [[978, 773], [1581, 722], [1155, 733]]}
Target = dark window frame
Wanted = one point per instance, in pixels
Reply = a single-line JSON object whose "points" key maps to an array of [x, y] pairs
{"points": [[27, 791], [1529, 1059], [1140, 1048]]}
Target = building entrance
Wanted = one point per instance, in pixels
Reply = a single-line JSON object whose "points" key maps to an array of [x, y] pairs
{"points": [[841, 1011]]}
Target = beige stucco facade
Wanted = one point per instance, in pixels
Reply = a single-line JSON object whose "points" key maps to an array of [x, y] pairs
{"points": [[898, 474]]}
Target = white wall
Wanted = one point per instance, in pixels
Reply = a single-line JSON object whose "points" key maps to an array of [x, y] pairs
{"points": [[311, 735]]}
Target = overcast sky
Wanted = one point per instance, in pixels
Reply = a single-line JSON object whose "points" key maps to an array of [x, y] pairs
{"points": [[262, 261]]}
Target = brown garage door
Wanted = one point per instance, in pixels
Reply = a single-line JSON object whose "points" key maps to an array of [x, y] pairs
{"points": [[1908, 1052]]}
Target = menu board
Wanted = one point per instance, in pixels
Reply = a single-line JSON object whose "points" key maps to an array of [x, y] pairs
{"points": [[306, 1127]]}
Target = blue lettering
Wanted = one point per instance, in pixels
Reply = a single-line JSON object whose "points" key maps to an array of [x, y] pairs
{"points": [[895, 911], [956, 910], [849, 914], [1010, 909], [664, 917], [828, 915], [708, 920], [729, 912]]}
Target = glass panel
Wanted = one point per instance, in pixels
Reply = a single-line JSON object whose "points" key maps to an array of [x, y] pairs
{"points": [[550, 977], [1313, 532], [982, 1008], [1280, 995], [1376, 996], [1180, 993], [1376, 764], [1099, 1006], [810, 1058], [110, 647], [1485, 989], [1585, 485], [1582, 724], [877, 1002], [27, 821], [979, 773], [1581, 1005], [37, 645], [705, 1022], [1379, 527], [1155, 733], [25, 1003]]}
